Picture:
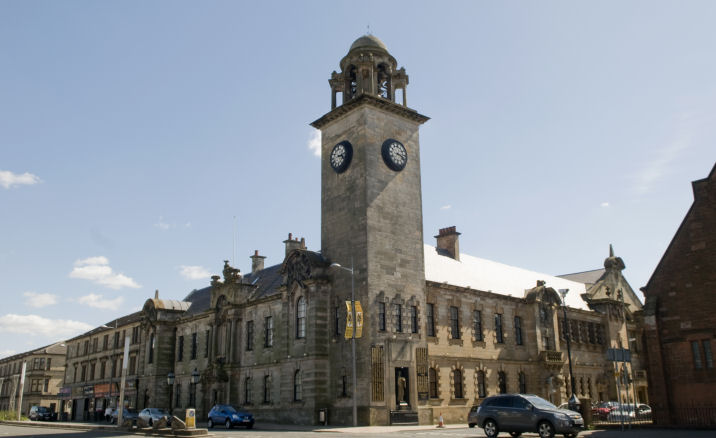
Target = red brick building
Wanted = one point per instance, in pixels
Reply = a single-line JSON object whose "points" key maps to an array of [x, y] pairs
{"points": [[680, 318]]}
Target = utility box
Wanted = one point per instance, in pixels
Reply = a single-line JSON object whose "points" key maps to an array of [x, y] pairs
{"points": [[323, 417], [190, 419]]}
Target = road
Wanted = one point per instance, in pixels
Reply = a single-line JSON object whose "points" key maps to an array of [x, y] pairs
{"points": [[377, 432]]}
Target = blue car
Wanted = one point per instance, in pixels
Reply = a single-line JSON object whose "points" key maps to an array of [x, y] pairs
{"points": [[229, 417]]}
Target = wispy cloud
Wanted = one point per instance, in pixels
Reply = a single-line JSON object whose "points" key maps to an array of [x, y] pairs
{"points": [[604, 204], [163, 225], [314, 142], [663, 158], [100, 302], [35, 325], [194, 272], [446, 207], [39, 300], [97, 270], [9, 179]]}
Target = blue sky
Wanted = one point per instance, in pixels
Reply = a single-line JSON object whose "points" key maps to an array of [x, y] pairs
{"points": [[142, 143]]}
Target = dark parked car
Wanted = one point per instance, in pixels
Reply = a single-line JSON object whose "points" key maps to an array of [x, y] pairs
{"points": [[127, 414], [149, 416], [518, 413], [41, 413], [229, 417]]}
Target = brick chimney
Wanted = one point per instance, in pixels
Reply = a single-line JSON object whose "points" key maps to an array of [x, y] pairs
{"points": [[257, 262], [293, 243], [448, 242]]}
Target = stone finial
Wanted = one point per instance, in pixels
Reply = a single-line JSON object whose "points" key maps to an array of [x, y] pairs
{"points": [[156, 294]]}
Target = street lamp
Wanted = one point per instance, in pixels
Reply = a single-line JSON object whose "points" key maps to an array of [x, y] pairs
{"points": [[170, 382], [353, 337], [573, 401], [194, 381]]}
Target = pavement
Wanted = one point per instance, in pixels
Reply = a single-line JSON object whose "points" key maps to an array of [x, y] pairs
{"points": [[641, 432]]}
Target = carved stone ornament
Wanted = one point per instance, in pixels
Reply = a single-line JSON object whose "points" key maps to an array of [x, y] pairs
{"points": [[297, 269]]}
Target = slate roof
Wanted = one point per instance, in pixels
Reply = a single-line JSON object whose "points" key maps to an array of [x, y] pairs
{"points": [[200, 301], [267, 281]]}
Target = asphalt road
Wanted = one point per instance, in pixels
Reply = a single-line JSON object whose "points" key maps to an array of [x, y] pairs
{"points": [[423, 432]]}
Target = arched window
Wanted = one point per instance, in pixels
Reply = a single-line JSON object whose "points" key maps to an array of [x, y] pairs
{"points": [[301, 318], [523, 383], [502, 382], [481, 392], [297, 386], [457, 381], [433, 382]]}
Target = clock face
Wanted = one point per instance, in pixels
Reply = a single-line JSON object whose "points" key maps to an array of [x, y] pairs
{"points": [[341, 156], [394, 154]]}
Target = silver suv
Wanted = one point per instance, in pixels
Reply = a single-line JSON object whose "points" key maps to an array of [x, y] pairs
{"points": [[517, 413]]}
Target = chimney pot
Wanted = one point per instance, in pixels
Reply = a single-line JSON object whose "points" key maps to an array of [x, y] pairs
{"points": [[257, 262]]}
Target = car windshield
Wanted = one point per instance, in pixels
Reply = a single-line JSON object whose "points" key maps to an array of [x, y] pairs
{"points": [[42, 409], [158, 411], [540, 402]]}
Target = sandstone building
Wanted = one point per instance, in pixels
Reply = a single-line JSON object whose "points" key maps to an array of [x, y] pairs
{"points": [[680, 318], [441, 330]]}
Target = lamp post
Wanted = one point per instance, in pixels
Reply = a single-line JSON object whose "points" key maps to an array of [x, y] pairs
{"points": [[194, 381], [353, 337], [170, 382], [573, 400]]}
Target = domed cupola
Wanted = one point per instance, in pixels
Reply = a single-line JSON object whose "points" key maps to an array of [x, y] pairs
{"points": [[368, 68]]}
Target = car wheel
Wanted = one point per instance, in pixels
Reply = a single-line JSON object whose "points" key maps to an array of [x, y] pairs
{"points": [[471, 425], [515, 434], [545, 430], [228, 424], [151, 422], [490, 428], [210, 423]]}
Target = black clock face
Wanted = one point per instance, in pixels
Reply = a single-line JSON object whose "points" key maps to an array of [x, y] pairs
{"points": [[394, 154], [341, 156]]}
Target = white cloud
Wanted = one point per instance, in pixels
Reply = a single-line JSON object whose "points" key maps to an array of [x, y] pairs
{"points": [[97, 270], [314, 142], [162, 225], [446, 207], [9, 179], [194, 272], [604, 204], [6, 353], [39, 300], [35, 325], [100, 302]]}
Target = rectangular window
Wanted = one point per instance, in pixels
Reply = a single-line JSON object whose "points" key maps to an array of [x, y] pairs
{"points": [[85, 351], [84, 373], [498, 328], [430, 319], [206, 343], [150, 356], [105, 342], [193, 346], [49, 363], [398, 315], [381, 317], [180, 349], [454, 322], [249, 335], [92, 367], [47, 385], [697, 355], [336, 321], [518, 330], [477, 324], [247, 390], [132, 365], [268, 331], [116, 340], [94, 345], [267, 389], [708, 356], [414, 319]]}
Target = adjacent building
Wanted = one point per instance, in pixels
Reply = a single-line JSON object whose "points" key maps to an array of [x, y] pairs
{"points": [[680, 317], [44, 372]]}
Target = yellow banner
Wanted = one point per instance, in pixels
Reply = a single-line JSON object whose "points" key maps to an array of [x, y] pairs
{"points": [[349, 320], [359, 320]]}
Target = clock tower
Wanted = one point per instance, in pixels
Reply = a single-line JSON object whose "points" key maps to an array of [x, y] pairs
{"points": [[371, 220]]}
